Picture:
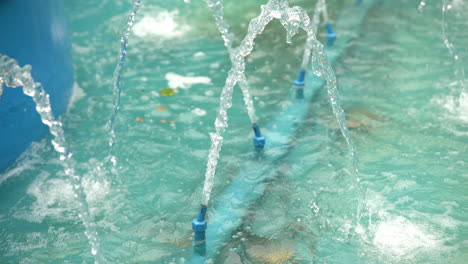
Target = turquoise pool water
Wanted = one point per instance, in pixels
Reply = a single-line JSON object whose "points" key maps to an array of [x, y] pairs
{"points": [[398, 83]]}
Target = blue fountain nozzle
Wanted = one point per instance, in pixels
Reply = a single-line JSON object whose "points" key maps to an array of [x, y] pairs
{"points": [[299, 82], [358, 2], [258, 140], [201, 213], [331, 36], [199, 225]]}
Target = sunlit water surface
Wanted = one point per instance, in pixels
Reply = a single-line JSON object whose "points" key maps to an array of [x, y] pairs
{"points": [[398, 84]]}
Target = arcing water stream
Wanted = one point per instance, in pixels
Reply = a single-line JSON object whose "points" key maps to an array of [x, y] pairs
{"points": [[460, 72], [12, 75], [321, 9], [292, 18], [216, 9], [315, 22], [116, 89], [411, 145]]}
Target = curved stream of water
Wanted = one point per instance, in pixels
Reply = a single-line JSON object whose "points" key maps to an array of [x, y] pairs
{"points": [[292, 19], [12, 75]]}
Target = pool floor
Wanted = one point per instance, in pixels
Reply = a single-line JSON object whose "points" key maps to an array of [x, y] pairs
{"points": [[406, 102]]}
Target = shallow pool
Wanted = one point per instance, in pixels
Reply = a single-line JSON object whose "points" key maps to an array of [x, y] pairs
{"points": [[405, 98]]}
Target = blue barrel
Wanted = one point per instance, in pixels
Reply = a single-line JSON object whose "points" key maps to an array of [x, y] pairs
{"points": [[33, 32]]}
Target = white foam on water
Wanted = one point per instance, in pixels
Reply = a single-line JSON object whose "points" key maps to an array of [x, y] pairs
{"points": [[401, 237], [456, 112], [54, 198], [457, 4], [395, 235], [199, 112], [185, 82], [403, 185], [199, 54], [163, 25], [82, 49], [215, 65], [457, 106], [26, 161], [33, 240], [77, 94]]}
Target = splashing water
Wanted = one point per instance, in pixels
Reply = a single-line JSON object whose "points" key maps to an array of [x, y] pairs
{"points": [[459, 105], [12, 75], [319, 6], [421, 6], [291, 18], [216, 9], [460, 73], [117, 90]]}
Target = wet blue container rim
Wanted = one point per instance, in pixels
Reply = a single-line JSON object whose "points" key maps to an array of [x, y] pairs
{"points": [[38, 36]]}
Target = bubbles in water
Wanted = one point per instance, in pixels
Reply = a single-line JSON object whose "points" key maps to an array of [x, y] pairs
{"points": [[199, 111], [185, 82], [162, 26], [457, 106], [401, 237]]}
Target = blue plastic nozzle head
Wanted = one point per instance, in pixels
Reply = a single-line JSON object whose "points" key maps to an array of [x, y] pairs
{"points": [[299, 92], [299, 82], [258, 140], [199, 225], [358, 2], [331, 36]]}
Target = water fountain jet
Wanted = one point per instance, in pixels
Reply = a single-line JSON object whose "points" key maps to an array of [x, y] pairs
{"points": [[12, 75], [241, 189], [116, 88]]}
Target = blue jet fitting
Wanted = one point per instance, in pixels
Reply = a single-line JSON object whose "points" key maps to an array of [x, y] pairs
{"points": [[299, 84], [258, 140], [300, 79], [331, 37], [199, 226], [358, 2]]}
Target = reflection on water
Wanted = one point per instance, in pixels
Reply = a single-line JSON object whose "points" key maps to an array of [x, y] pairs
{"points": [[399, 90]]}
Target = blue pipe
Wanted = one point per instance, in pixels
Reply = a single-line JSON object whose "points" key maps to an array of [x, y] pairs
{"points": [[331, 36], [33, 32], [299, 84], [300, 79], [249, 184], [258, 140], [199, 226]]}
